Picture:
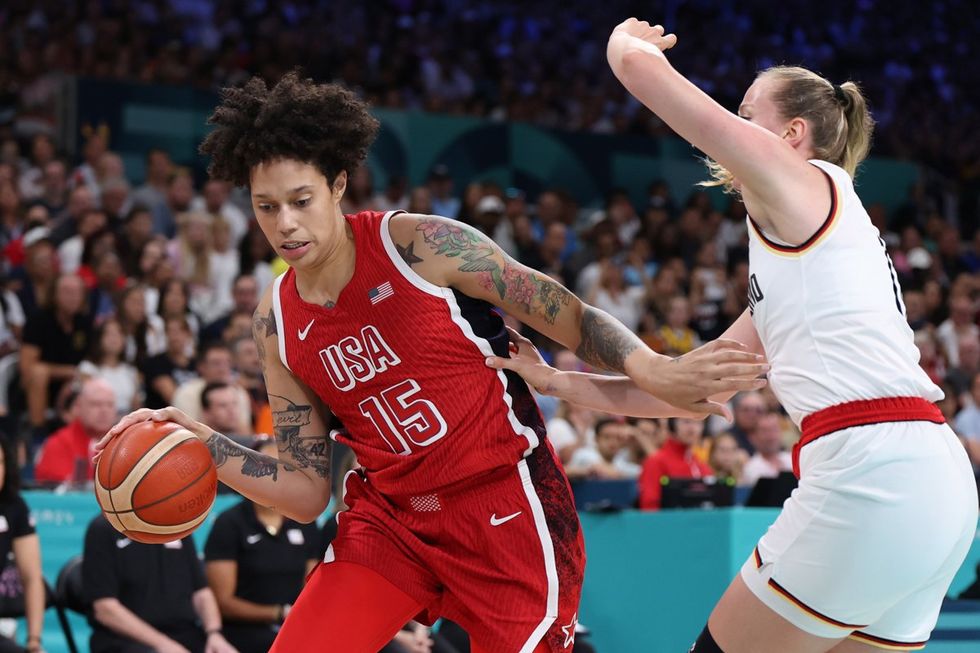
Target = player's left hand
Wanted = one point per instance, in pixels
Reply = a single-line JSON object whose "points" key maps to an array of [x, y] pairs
{"points": [[526, 360], [218, 644], [629, 31], [168, 414]]}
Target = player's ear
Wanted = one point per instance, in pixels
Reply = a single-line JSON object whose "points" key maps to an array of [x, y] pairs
{"points": [[795, 131], [339, 185]]}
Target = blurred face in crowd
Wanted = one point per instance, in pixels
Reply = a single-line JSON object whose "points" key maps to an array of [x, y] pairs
{"points": [[724, 454], [173, 299], [179, 336], [134, 306], [159, 166], [609, 439], [247, 357], [555, 239], [55, 179], [151, 255], [39, 261], [9, 199], [299, 212], [42, 150], [768, 436], [549, 208], [113, 340], [748, 410], [108, 269], [969, 351], [139, 227], [679, 314], [196, 231], [91, 221], [80, 201], [649, 431], [95, 147], [114, 195], [69, 294], [181, 192], [37, 215], [95, 407], [961, 310], [111, 166], [222, 413], [215, 194], [915, 305], [420, 200], [216, 366], [245, 294], [688, 431]]}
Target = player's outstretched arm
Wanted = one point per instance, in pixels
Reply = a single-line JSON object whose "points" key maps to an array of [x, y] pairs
{"points": [[791, 195], [451, 254], [297, 483], [610, 394]]}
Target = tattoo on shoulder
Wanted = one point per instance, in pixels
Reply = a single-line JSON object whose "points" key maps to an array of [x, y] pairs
{"points": [[307, 451], [254, 464], [605, 342], [408, 254], [532, 292]]}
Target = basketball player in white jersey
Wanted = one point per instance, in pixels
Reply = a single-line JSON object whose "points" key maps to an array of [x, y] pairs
{"points": [[864, 551]]}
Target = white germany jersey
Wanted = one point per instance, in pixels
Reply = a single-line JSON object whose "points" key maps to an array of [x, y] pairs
{"points": [[830, 314]]}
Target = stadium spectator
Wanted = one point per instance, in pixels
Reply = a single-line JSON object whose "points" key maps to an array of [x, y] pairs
{"points": [[152, 195], [674, 460], [726, 459], [165, 372], [66, 455], [39, 271], [256, 561], [960, 376], [20, 552], [749, 407], [609, 458], [769, 459], [144, 331], [215, 199], [961, 322], [214, 365], [570, 429], [55, 341], [245, 299], [148, 597], [106, 360]]}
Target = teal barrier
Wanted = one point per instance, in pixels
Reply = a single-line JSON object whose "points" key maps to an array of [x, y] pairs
{"points": [[650, 582], [410, 143]]}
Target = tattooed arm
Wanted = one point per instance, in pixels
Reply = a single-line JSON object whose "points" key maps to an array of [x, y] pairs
{"points": [[452, 254], [297, 482]]}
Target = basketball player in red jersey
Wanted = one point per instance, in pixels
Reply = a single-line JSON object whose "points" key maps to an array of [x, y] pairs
{"points": [[461, 509]]}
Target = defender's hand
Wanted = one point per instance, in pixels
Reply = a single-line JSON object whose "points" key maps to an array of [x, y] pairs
{"points": [[526, 360]]}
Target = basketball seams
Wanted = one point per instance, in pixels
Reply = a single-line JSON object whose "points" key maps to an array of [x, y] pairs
{"points": [[152, 456], [146, 475], [162, 499]]}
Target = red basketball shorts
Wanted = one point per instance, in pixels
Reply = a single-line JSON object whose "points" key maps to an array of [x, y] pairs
{"points": [[503, 557]]}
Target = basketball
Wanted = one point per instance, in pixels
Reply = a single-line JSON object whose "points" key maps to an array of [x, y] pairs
{"points": [[155, 482]]}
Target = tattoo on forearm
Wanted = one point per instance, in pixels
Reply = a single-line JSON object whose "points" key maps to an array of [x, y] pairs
{"points": [[605, 342], [312, 451], [511, 283], [254, 464]]}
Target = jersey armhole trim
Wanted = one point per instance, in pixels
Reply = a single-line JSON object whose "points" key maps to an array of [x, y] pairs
{"points": [[406, 271], [818, 237], [277, 312]]}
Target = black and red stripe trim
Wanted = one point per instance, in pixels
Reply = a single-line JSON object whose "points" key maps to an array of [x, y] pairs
{"points": [[758, 558], [888, 643], [796, 249], [803, 606]]}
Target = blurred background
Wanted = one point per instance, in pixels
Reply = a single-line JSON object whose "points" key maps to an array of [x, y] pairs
{"points": [[129, 279]]}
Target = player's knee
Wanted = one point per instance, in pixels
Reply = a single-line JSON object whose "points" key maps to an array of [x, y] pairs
{"points": [[706, 643]]}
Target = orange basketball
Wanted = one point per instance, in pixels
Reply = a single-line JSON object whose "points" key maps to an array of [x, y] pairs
{"points": [[155, 482]]}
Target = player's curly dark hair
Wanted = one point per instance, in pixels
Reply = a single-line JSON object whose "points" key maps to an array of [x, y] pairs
{"points": [[324, 125]]}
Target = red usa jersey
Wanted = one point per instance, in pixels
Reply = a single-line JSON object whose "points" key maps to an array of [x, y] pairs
{"points": [[400, 362]]}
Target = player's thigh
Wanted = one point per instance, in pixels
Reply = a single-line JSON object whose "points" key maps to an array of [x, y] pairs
{"points": [[345, 607], [741, 623], [852, 646]]}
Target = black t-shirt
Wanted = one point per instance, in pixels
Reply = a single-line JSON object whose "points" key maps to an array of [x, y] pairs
{"points": [[155, 581], [271, 568], [163, 365], [58, 346], [15, 522]]}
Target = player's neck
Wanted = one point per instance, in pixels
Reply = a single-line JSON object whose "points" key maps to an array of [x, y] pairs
{"points": [[323, 282]]}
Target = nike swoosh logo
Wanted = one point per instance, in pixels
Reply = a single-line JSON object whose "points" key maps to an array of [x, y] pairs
{"points": [[252, 539], [123, 543], [302, 334], [503, 520]]}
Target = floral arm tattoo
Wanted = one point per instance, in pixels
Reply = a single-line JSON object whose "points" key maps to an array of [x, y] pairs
{"points": [[604, 342]]}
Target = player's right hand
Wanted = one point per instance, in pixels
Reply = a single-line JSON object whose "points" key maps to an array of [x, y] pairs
{"points": [[168, 414], [717, 368]]}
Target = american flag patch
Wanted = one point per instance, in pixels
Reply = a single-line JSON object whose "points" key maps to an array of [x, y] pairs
{"points": [[381, 293]]}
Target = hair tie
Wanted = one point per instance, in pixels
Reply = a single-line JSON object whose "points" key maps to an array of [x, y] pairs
{"points": [[840, 95]]}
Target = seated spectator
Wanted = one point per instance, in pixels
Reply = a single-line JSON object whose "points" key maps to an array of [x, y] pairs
{"points": [[769, 459], [961, 375], [256, 562], [164, 373], [66, 455], [105, 361], [245, 299], [677, 334], [609, 458], [674, 460], [726, 459], [250, 376], [39, 273], [144, 332], [147, 597], [214, 365], [19, 551], [749, 406], [55, 341], [220, 411], [570, 429], [11, 331]]}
